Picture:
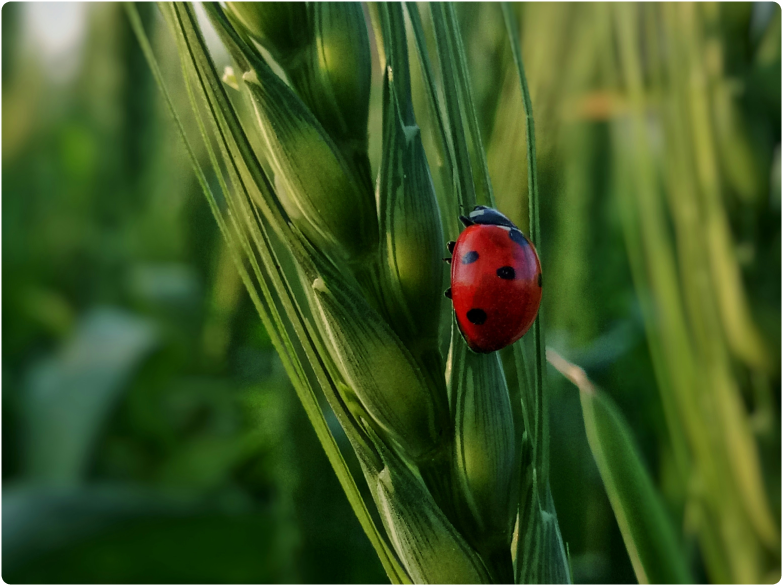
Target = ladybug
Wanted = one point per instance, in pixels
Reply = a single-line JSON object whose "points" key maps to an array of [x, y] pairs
{"points": [[495, 281]]}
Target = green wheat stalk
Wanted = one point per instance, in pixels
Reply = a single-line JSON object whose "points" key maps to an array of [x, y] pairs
{"points": [[345, 271]]}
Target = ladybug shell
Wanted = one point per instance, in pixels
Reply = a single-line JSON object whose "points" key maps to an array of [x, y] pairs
{"points": [[495, 285]]}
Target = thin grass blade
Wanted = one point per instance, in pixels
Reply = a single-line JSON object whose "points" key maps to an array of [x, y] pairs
{"points": [[462, 168], [647, 530], [540, 415], [450, 211], [486, 196], [541, 553]]}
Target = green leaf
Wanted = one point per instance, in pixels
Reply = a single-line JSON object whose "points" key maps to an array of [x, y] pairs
{"points": [[647, 530], [70, 395]]}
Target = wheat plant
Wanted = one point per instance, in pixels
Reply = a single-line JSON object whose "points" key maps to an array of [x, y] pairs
{"points": [[346, 272]]}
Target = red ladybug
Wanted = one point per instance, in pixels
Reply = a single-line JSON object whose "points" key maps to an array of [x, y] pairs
{"points": [[495, 281]]}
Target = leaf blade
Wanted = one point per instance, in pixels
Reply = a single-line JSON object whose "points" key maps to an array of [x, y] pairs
{"points": [[646, 528]]}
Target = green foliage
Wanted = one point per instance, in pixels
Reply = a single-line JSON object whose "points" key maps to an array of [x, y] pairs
{"points": [[649, 535], [149, 428], [651, 190]]}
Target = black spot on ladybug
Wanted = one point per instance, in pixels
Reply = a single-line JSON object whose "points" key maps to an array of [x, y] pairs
{"points": [[518, 237], [539, 279], [451, 246], [470, 257], [447, 292], [506, 273], [477, 316]]}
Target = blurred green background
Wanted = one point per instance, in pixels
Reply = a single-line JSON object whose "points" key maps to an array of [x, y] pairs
{"points": [[149, 431]]}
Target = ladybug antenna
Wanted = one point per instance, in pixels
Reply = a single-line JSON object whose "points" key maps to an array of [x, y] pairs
{"points": [[466, 221]]}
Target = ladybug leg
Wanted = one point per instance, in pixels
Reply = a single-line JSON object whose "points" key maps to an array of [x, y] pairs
{"points": [[466, 221], [451, 246], [448, 259], [447, 292]]}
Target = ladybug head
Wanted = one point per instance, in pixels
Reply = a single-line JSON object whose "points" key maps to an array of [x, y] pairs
{"points": [[485, 215]]}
